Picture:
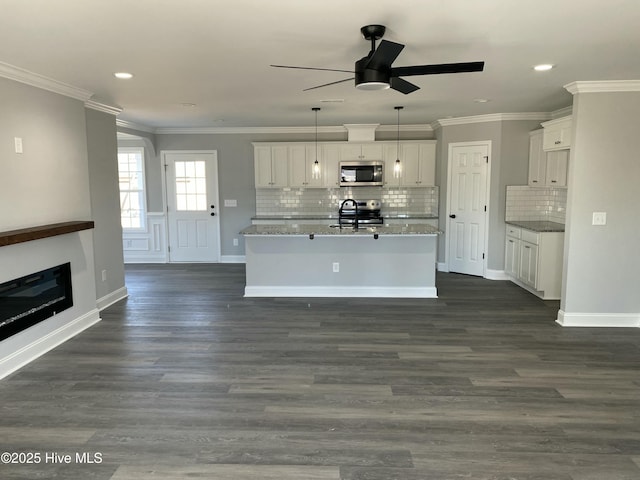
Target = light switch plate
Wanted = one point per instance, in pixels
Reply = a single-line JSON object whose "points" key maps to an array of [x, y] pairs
{"points": [[230, 203], [599, 218], [17, 141]]}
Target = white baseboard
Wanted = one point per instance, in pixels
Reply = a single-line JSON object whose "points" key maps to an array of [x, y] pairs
{"points": [[233, 259], [323, 291], [613, 320], [39, 347], [128, 258], [443, 266], [112, 298], [496, 275]]}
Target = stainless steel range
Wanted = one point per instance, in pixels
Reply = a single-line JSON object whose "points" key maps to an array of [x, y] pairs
{"points": [[359, 212]]}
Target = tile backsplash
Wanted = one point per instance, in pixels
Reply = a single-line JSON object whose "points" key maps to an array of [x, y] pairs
{"points": [[534, 203], [325, 201]]}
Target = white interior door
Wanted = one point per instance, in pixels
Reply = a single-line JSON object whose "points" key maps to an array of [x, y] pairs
{"points": [[192, 206], [467, 207]]}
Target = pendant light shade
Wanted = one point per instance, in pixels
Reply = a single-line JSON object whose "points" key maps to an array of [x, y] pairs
{"points": [[315, 171], [397, 168]]}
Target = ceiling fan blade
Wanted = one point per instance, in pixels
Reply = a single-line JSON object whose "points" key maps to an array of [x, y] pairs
{"points": [[437, 69], [327, 84], [403, 86], [312, 68], [384, 55]]}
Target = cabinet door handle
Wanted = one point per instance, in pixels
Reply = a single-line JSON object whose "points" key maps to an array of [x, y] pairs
{"points": [[527, 247], [534, 181], [558, 142], [554, 181], [452, 215]]}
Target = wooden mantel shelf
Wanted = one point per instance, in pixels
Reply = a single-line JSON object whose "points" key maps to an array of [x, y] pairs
{"points": [[43, 231]]}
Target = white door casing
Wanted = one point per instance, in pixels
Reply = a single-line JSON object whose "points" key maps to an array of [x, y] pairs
{"points": [[192, 204], [467, 207]]}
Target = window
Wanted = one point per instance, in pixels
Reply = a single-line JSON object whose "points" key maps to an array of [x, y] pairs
{"points": [[131, 173], [191, 186]]}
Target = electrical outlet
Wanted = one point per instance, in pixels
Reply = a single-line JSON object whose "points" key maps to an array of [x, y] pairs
{"points": [[104, 275], [599, 218], [235, 242], [336, 267]]}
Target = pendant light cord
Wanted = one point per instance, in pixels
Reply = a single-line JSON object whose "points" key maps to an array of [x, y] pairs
{"points": [[316, 109], [396, 170]]}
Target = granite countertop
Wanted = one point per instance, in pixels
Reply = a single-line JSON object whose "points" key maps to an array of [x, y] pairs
{"points": [[537, 225], [320, 230], [408, 216], [295, 217]]}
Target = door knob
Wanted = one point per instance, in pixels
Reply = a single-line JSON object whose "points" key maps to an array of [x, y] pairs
{"points": [[452, 215], [213, 214], [213, 206]]}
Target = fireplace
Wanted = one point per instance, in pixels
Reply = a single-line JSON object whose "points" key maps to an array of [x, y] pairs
{"points": [[28, 300]]}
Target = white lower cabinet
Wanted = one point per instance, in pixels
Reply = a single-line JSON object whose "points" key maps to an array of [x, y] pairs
{"points": [[533, 260]]}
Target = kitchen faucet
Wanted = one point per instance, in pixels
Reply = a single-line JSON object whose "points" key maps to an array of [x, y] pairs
{"points": [[355, 221]]}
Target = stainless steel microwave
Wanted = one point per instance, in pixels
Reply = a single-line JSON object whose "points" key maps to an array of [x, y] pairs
{"points": [[362, 173]]}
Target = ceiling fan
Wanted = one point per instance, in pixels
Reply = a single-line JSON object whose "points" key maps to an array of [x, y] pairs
{"points": [[374, 72]]}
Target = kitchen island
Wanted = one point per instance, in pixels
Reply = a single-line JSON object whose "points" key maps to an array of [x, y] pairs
{"points": [[325, 261]]}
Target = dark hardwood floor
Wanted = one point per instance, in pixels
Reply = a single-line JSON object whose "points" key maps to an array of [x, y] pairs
{"points": [[188, 379]]}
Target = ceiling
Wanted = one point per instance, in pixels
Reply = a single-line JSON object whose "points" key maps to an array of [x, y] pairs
{"points": [[205, 63]]}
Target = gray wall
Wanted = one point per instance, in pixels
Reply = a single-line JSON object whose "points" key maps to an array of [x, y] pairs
{"points": [[105, 201], [509, 165], [49, 182], [601, 263]]}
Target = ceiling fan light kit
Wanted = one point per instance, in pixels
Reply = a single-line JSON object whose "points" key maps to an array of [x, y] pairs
{"points": [[374, 72]]}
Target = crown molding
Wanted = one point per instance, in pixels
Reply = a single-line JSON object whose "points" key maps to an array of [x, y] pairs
{"points": [[241, 130], [562, 112], [492, 117], [134, 126], [45, 83], [606, 86], [283, 130], [424, 127], [102, 107]]}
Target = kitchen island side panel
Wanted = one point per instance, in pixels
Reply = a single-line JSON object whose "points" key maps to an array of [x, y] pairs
{"points": [[295, 266]]}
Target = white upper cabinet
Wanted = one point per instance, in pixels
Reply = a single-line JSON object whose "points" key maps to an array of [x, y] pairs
{"points": [[417, 164], [331, 165], [557, 164], [280, 165], [557, 134], [302, 158], [271, 166], [537, 159], [360, 151], [546, 169]]}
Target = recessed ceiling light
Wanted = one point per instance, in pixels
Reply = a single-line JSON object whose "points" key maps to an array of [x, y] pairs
{"points": [[123, 75], [481, 100], [543, 67], [187, 105]]}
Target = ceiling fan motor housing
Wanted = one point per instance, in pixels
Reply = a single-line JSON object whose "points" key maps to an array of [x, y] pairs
{"points": [[368, 79]]}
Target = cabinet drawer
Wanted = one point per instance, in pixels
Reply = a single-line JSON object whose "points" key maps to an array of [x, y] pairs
{"points": [[513, 231], [529, 236]]}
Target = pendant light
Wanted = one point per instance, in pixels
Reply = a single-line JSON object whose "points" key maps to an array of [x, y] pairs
{"points": [[397, 168], [315, 172]]}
